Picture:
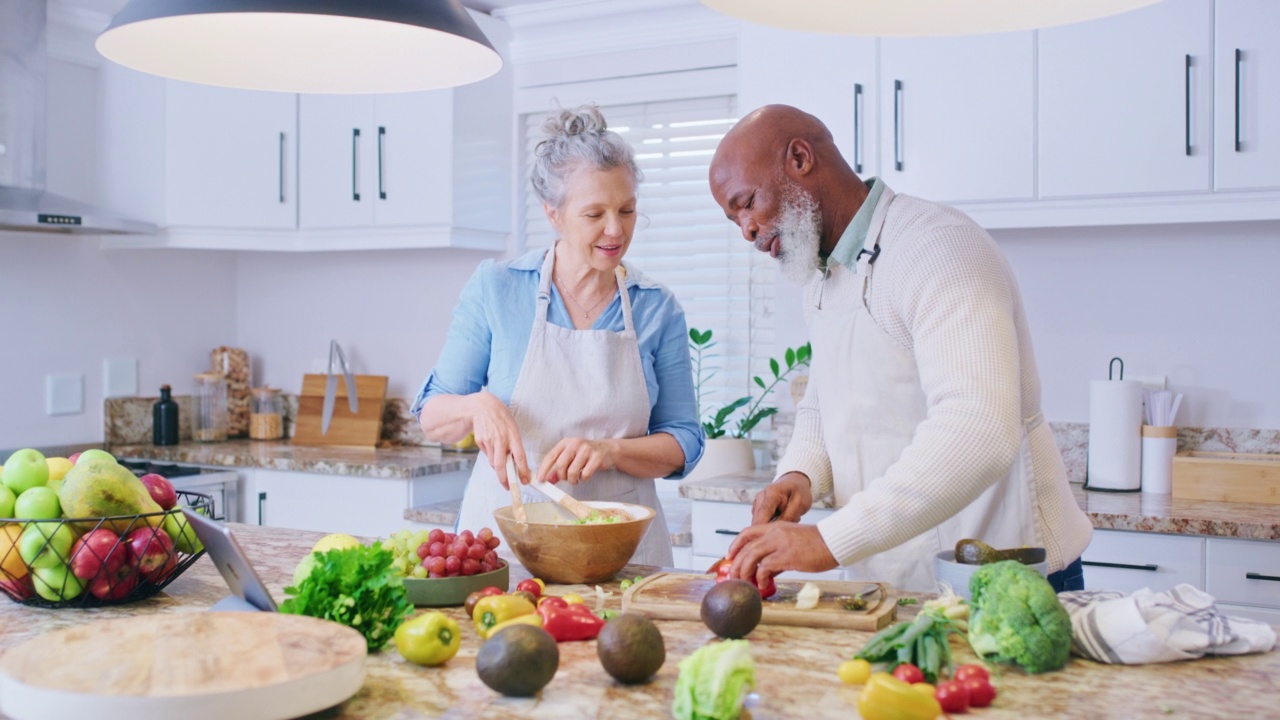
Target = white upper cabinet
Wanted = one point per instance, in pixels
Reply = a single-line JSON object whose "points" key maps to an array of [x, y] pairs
{"points": [[1247, 99], [829, 76], [230, 157], [957, 116], [1126, 103], [335, 139]]}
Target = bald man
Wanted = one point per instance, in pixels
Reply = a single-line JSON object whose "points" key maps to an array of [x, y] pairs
{"points": [[922, 414]]}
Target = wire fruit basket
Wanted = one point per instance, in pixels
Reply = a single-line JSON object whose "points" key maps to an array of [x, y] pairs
{"points": [[94, 562]]}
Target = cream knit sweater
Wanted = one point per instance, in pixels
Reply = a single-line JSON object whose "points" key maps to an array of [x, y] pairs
{"points": [[942, 289]]}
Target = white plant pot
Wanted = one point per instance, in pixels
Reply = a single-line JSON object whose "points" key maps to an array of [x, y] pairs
{"points": [[724, 456]]}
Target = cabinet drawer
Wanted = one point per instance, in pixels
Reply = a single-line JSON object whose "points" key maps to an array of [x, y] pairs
{"points": [[1266, 615], [716, 524], [1128, 561], [1243, 571]]}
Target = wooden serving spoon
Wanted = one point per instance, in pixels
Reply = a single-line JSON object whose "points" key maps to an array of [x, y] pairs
{"points": [[513, 483], [579, 510]]}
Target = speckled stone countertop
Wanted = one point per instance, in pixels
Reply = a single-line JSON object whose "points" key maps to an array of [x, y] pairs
{"points": [[795, 667], [396, 461], [1139, 512]]}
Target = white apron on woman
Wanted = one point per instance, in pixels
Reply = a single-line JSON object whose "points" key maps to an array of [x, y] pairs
{"points": [[576, 383], [877, 412]]}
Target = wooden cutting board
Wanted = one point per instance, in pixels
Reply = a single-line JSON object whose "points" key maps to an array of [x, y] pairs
{"points": [[194, 666], [358, 429], [678, 596]]}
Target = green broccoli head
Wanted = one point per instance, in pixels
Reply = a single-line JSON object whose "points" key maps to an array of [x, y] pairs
{"points": [[1017, 618]]}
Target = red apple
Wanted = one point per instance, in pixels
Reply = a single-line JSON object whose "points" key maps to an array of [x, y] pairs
{"points": [[159, 576], [98, 551], [149, 549], [116, 585], [18, 589], [73, 458], [161, 490]]}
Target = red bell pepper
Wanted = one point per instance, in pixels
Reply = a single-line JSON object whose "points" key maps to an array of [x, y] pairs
{"points": [[571, 622]]}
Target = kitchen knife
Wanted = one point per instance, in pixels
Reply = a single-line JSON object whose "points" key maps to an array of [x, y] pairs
{"points": [[331, 387], [326, 413]]}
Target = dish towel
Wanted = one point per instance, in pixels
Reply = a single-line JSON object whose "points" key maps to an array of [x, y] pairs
{"points": [[1156, 627]]}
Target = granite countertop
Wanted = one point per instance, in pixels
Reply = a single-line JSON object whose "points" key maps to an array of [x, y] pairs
{"points": [[1140, 512], [795, 667], [395, 461]]}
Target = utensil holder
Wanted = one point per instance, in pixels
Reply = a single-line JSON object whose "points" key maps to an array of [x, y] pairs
{"points": [[1159, 444]]}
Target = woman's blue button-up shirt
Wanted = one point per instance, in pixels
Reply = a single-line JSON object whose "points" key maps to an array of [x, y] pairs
{"points": [[490, 331]]}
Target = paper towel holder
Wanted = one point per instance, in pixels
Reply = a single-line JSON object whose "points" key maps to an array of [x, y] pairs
{"points": [[1111, 366], [1088, 485]]}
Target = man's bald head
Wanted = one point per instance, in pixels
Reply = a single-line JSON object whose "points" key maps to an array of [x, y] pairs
{"points": [[768, 131]]}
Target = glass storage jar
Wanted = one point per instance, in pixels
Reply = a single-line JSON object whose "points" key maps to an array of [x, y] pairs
{"points": [[209, 408], [266, 417]]}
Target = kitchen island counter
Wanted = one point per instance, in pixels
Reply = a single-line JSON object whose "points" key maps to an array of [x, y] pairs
{"points": [[795, 667], [394, 461]]}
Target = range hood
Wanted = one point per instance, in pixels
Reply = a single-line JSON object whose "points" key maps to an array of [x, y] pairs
{"points": [[25, 206]]}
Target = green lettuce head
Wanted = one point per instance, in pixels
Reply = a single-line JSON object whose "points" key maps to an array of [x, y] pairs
{"points": [[714, 681]]}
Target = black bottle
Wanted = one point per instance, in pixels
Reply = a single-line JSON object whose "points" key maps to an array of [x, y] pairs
{"points": [[164, 419]]}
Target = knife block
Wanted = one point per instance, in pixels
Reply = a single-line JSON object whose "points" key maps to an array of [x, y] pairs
{"points": [[362, 428]]}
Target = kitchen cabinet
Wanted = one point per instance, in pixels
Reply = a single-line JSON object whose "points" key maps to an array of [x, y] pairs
{"points": [[1246, 108], [1121, 560], [1243, 572], [1125, 103], [361, 506], [957, 118], [716, 524]]}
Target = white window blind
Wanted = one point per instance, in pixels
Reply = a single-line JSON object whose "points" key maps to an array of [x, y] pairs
{"points": [[682, 238]]}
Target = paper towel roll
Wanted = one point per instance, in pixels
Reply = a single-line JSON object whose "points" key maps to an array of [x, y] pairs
{"points": [[1115, 435]]}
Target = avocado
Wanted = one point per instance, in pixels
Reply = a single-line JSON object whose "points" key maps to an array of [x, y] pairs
{"points": [[976, 552], [518, 661], [732, 608], [631, 648]]}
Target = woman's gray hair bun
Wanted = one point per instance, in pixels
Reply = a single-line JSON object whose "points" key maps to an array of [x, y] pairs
{"points": [[576, 138]]}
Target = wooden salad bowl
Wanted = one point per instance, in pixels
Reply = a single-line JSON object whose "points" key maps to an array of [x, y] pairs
{"points": [[552, 546]]}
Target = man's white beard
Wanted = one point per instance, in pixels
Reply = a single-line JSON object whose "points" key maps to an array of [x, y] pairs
{"points": [[799, 235]]}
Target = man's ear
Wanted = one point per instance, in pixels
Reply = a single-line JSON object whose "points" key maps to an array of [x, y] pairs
{"points": [[553, 215], [800, 158]]}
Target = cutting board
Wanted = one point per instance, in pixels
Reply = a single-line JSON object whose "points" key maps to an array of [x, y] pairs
{"points": [[1227, 477], [678, 596], [359, 429], [194, 666]]}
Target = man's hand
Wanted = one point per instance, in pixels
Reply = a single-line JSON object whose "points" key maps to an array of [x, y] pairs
{"points": [[762, 551], [789, 495]]}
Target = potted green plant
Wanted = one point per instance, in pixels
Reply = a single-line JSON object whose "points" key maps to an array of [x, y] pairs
{"points": [[728, 427]]}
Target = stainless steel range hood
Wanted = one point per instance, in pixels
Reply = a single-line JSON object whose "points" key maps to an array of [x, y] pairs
{"points": [[24, 204]]}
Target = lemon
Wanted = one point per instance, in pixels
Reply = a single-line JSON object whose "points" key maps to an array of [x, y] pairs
{"points": [[58, 467], [335, 541]]}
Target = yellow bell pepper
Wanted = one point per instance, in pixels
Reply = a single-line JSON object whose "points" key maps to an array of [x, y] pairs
{"points": [[497, 609], [429, 639], [885, 697], [534, 619]]}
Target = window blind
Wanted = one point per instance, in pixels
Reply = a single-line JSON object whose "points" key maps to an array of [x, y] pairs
{"points": [[682, 238]]}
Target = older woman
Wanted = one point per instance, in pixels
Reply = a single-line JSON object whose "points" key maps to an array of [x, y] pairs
{"points": [[567, 358]]}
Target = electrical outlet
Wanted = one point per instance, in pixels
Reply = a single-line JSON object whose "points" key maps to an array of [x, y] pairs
{"points": [[64, 394], [1151, 382], [119, 377]]}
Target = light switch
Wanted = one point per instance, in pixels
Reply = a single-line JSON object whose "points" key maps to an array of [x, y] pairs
{"points": [[119, 377], [64, 394]]}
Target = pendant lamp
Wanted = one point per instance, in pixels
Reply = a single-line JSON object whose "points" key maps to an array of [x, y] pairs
{"points": [[905, 18], [304, 46]]}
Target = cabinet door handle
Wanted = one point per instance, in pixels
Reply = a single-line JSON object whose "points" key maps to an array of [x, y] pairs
{"points": [[281, 175], [262, 497], [382, 191], [897, 124], [1260, 576], [1239, 58], [722, 531], [857, 128], [355, 144], [1188, 105], [1122, 566]]}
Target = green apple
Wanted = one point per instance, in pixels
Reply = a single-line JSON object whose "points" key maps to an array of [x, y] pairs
{"points": [[7, 499], [303, 571], [181, 533], [24, 470], [57, 583], [95, 453], [46, 544], [38, 503]]}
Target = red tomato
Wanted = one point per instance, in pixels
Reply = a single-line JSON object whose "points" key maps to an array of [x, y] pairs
{"points": [[953, 696], [530, 586], [981, 692], [722, 574], [908, 673], [492, 590], [965, 672]]}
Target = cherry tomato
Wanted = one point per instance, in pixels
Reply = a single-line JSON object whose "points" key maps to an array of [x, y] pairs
{"points": [[572, 599], [552, 600], [964, 672], [722, 574], [854, 672], [953, 696], [492, 590], [981, 692], [531, 587], [908, 673]]}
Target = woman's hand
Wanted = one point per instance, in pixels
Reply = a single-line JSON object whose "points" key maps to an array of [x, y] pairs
{"points": [[498, 436], [575, 460]]}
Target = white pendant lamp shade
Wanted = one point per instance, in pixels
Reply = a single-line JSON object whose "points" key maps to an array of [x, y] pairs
{"points": [[905, 18], [306, 46]]}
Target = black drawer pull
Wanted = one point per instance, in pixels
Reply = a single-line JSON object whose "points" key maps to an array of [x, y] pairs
{"points": [[1122, 566], [1260, 576], [262, 497], [722, 531]]}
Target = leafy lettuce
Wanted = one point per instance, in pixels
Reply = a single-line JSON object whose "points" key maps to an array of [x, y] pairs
{"points": [[356, 587]]}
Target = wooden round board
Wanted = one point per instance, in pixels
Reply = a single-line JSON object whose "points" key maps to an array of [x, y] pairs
{"points": [[195, 666]]}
